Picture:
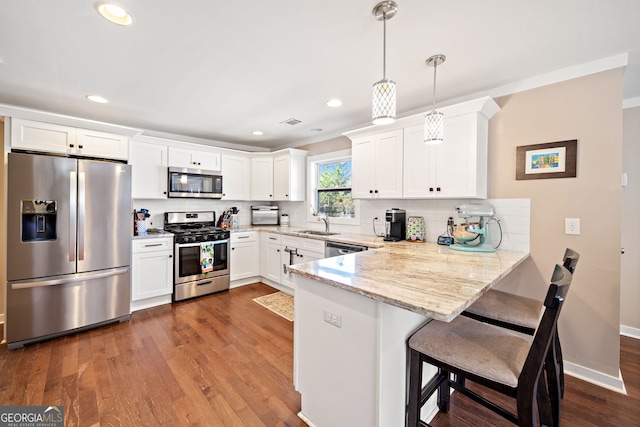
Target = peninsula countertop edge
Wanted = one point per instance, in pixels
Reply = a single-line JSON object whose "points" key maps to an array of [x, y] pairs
{"points": [[424, 278]]}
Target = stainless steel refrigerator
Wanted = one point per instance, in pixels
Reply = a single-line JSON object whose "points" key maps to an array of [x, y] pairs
{"points": [[69, 227]]}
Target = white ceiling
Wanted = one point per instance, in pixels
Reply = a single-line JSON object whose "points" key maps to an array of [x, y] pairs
{"points": [[220, 70]]}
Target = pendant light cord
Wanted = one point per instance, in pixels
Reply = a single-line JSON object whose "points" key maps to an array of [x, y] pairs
{"points": [[435, 68], [384, 45]]}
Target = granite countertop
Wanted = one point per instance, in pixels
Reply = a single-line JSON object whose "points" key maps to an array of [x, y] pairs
{"points": [[425, 278], [152, 235], [354, 239]]}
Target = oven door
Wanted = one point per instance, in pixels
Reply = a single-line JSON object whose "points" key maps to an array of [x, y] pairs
{"points": [[188, 258]]}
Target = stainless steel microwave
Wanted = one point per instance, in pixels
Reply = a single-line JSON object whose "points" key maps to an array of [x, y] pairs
{"points": [[194, 183]]}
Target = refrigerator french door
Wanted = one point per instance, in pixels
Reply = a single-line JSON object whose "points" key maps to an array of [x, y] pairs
{"points": [[69, 227]]}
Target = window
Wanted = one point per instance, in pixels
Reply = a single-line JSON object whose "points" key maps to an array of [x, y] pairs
{"points": [[334, 189], [330, 188]]}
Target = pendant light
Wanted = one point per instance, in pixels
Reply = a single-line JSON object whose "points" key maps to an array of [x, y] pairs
{"points": [[434, 121], [384, 91]]}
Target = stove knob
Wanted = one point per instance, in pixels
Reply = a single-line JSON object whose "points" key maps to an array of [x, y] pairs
{"points": [[205, 237], [188, 239]]}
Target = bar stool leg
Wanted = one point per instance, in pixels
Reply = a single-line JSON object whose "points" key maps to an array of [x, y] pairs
{"points": [[444, 391], [415, 388]]}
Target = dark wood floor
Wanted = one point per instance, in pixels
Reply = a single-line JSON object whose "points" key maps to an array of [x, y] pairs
{"points": [[220, 360], [223, 360]]}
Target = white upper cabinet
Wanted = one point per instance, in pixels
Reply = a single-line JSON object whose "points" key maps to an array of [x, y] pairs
{"points": [[397, 163], [194, 159], [289, 178], [236, 177], [377, 165], [261, 178], [54, 138], [456, 168], [148, 170], [279, 176]]}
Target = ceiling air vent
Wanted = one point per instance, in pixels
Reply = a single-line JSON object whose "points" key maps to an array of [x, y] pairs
{"points": [[291, 122]]}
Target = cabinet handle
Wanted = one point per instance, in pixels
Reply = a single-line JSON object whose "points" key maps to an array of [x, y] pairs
{"points": [[370, 191], [151, 245], [270, 195], [437, 188], [71, 145], [286, 195], [164, 192], [430, 188], [246, 237], [272, 238], [278, 250], [170, 256], [223, 194], [376, 191], [80, 147], [233, 249]]}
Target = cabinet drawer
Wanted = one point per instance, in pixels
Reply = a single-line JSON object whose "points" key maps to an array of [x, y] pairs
{"points": [[312, 245], [273, 238], [152, 245], [243, 236]]}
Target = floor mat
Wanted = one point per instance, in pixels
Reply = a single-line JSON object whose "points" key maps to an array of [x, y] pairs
{"points": [[279, 302]]}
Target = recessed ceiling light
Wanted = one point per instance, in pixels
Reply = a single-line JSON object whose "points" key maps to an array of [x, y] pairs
{"points": [[316, 130], [115, 14], [257, 133], [334, 103], [97, 98]]}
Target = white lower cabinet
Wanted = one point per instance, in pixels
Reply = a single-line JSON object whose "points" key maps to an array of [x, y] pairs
{"points": [[151, 272], [244, 255], [270, 258]]}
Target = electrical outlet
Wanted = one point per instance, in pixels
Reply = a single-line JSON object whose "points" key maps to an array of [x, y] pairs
{"points": [[572, 226], [333, 319]]}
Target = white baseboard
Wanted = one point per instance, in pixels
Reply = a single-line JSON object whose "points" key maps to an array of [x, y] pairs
{"points": [[628, 331], [306, 420], [243, 282], [595, 377], [1, 319], [150, 302]]}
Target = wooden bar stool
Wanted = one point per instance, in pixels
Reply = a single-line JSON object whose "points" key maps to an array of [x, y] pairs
{"points": [[495, 357], [522, 314]]}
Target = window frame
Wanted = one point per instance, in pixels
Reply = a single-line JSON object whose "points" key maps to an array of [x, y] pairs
{"points": [[312, 169]]}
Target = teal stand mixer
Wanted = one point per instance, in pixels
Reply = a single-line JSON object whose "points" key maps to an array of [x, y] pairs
{"points": [[474, 236]]}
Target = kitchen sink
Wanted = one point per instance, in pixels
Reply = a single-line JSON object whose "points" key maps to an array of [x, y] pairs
{"points": [[317, 232]]}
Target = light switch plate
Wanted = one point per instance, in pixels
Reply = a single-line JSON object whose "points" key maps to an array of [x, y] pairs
{"points": [[572, 226]]}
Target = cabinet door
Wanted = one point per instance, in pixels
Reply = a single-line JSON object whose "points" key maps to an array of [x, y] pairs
{"points": [[273, 262], [281, 177], [151, 275], [387, 168], [419, 173], [362, 160], [148, 171], [462, 162], [208, 160], [39, 136], [262, 178], [244, 260], [102, 144], [182, 158], [236, 177]]}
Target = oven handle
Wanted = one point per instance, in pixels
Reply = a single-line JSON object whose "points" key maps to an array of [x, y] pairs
{"points": [[189, 245]]}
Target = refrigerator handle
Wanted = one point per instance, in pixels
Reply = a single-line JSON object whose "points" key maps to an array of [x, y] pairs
{"points": [[70, 279], [73, 208], [81, 214]]}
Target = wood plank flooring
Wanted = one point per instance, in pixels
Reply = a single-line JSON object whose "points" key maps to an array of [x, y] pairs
{"points": [[219, 360], [223, 360]]}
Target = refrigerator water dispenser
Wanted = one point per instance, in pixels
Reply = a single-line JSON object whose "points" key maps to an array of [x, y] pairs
{"points": [[39, 220]]}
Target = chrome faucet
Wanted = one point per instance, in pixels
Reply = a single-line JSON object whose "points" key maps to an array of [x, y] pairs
{"points": [[325, 218]]}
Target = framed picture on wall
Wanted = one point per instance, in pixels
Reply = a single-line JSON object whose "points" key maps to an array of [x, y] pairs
{"points": [[551, 160]]}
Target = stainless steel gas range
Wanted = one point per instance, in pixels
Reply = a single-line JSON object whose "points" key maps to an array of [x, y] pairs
{"points": [[201, 252]]}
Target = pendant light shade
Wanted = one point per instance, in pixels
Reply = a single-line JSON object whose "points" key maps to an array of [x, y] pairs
{"points": [[434, 120], [384, 91]]}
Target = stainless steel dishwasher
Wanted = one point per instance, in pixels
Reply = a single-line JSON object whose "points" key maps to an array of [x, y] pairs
{"points": [[332, 249]]}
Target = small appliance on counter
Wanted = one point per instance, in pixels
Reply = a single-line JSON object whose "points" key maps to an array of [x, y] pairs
{"points": [[395, 225], [469, 232], [264, 215], [284, 220], [415, 229]]}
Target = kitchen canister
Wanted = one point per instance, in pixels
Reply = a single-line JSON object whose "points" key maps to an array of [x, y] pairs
{"points": [[415, 229], [284, 220]]}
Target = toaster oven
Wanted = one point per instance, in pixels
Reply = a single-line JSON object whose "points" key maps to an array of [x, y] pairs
{"points": [[264, 215]]}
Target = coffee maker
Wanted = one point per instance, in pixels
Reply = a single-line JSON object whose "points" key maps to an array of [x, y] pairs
{"points": [[395, 225]]}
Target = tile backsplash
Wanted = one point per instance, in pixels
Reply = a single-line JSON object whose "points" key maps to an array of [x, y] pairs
{"points": [[513, 214]]}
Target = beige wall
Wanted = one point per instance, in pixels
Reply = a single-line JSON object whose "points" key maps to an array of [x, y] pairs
{"points": [[630, 284], [328, 146], [588, 109]]}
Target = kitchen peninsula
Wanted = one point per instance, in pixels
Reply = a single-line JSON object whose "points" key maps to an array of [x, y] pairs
{"points": [[354, 313]]}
